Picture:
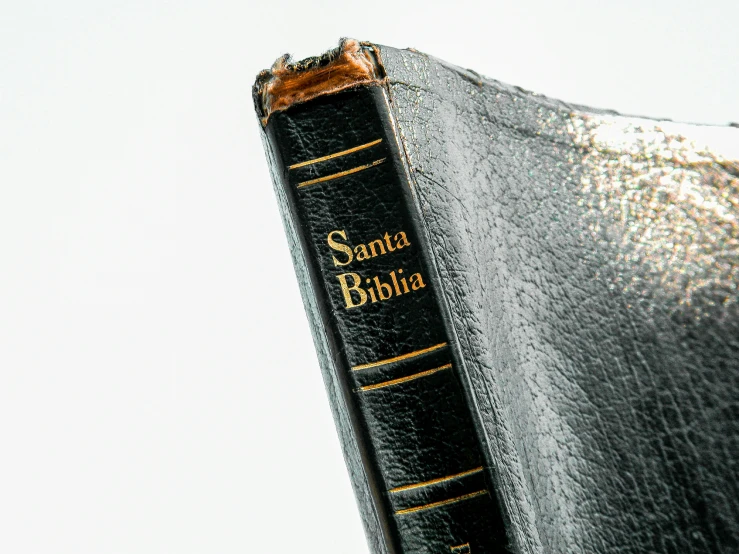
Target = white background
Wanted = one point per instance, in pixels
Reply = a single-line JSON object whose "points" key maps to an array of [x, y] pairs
{"points": [[159, 391]]}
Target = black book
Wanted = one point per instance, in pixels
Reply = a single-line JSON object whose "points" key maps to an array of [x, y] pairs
{"points": [[526, 312]]}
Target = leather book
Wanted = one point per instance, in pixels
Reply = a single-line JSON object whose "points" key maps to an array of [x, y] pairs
{"points": [[526, 312]]}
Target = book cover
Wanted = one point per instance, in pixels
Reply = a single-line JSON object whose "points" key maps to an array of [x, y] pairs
{"points": [[525, 311]]}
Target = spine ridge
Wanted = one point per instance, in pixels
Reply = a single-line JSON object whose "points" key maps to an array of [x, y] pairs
{"points": [[338, 166]]}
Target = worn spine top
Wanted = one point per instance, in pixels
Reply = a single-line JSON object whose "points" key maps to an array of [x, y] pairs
{"points": [[285, 84]]}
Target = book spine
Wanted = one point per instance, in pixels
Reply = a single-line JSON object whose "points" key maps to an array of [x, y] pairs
{"points": [[337, 161]]}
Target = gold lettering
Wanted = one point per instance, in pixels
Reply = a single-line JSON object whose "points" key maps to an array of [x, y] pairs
{"points": [[361, 252], [340, 247], [417, 281], [387, 243], [402, 242], [403, 282], [377, 289], [381, 289], [372, 247], [346, 290], [395, 281]]}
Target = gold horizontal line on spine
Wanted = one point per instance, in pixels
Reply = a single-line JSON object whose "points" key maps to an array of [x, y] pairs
{"points": [[399, 358], [337, 155], [441, 503], [341, 173], [435, 481], [405, 379]]}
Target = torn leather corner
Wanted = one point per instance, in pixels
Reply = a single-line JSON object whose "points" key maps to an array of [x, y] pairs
{"points": [[350, 65]]}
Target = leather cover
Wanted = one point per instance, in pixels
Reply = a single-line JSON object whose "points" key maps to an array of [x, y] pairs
{"points": [[585, 267], [345, 185]]}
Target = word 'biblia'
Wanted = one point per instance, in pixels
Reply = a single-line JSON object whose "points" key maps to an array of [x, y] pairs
{"points": [[363, 289]]}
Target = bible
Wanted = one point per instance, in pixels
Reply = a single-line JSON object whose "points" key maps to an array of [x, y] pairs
{"points": [[526, 312]]}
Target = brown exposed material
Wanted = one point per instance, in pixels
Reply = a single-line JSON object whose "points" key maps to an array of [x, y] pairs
{"points": [[351, 64]]}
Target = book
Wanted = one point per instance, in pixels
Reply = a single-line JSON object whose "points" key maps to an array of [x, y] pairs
{"points": [[526, 312]]}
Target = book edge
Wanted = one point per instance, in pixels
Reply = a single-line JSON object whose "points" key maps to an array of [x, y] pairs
{"points": [[342, 421]]}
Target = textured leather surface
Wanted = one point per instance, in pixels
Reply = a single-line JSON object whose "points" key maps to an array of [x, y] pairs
{"points": [[589, 265], [389, 363]]}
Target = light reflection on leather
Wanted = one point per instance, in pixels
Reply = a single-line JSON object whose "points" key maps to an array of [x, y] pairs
{"points": [[675, 202]]}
